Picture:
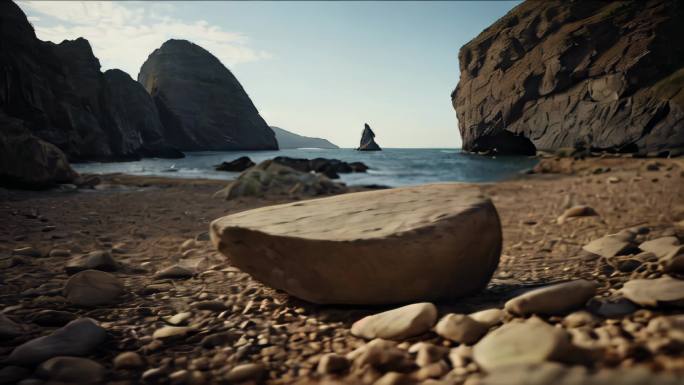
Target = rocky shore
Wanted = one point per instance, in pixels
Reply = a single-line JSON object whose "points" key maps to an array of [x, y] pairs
{"points": [[120, 284]]}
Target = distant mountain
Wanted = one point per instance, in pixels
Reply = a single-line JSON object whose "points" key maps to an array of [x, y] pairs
{"points": [[287, 139]]}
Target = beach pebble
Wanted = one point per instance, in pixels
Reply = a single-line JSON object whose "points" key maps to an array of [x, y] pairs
{"points": [[611, 307], [188, 245], [8, 328], [215, 306], [169, 332], [397, 324], [128, 360], [71, 369], [612, 245], [174, 272], [517, 343], [95, 260], [52, 317], [332, 363], [489, 317], [652, 292], [59, 253], [380, 353], [28, 251], [556, 299], [93, 288], [576, 211], [427, 353], [77, 338], [178, 319], [460, 328], [245, 372], [579, 319]]}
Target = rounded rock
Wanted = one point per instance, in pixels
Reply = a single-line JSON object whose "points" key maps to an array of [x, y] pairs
{"points": [[93, 288]]}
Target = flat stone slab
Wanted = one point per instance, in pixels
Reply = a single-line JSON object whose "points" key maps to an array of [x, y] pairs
{"points": [[411, 244]]}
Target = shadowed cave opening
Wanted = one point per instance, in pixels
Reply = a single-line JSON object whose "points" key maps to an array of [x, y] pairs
{"points": [[505, 143]]}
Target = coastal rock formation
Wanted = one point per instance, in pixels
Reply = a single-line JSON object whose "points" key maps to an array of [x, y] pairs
{"points": [[272, 178], [586, 74], [368, 140], [236, 165], [201, 104], [59, 93], [431, 242], [327, 167], [287, 139], [29, 162]]}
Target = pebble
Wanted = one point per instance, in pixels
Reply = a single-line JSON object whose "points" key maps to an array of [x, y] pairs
{"points": [[612, 245], [52, 317], [178, 319], [174, 272], [332, 363], [77, 338], [219, 339], [556, 299], [576, 211], [489, 317], [169, 332], [460, 328], [611, 307], [215, 306], [93, 288], [579, 319], [71, 369], [518, 343], [397, 324], [8, 328], [652, 292], [427, 353], [128, 360], [245, 372], [28, 251], [59, 253], [188, 245], [95, 260], [382, 354]]}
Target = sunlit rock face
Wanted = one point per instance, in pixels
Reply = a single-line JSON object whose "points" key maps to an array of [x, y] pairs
{"points": [[201, 104], [587, 74]]}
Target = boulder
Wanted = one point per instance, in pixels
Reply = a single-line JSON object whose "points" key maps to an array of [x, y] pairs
{"points": [[290, 140], [612, 245], [93, 288], [327, 167], [397, 324], [271, 178], [78, 338], [587, 75], [368, 140], [422, 243], [653, 292], [236, 165], [558, 299], [95, 260], [201, 104]]}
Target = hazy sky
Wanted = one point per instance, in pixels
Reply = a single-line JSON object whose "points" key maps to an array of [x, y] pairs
{"points": [[314, 68]]}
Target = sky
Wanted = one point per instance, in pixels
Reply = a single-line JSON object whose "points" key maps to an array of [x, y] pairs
{"points": [[314, 68]]}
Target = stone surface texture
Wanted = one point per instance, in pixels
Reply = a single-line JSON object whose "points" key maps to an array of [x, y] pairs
{"points": [[430, 242]]}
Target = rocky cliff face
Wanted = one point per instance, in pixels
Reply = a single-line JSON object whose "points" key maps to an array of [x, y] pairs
{"points": [[62, 97], [201, 104], [368, 140], [585, 74]]}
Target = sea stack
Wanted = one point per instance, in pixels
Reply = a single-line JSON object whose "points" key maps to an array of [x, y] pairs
{"points": [[368, 140], [594, 75], [201, 104]]}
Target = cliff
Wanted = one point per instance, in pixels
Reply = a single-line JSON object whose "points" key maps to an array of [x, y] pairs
{"points": [[201, 104], [62, 97], [368, 140], [584, 74], [287, 139]]}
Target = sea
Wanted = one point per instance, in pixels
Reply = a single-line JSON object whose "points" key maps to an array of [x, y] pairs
{"points": [[390, 167]]}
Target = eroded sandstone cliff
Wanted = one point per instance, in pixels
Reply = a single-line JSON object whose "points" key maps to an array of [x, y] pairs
{"points": [[585, 74], [201, 104]]}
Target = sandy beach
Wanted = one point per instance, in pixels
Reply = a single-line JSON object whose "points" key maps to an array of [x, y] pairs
{"points": [[145, 223]]}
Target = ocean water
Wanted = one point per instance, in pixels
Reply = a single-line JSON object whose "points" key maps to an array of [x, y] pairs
{"points": [[390, 167]]}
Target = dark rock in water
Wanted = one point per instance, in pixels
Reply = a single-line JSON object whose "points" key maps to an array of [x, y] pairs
{"points": [[237, 165], [287, 139], [201, 104], [368, 140], [64, 99], [593, 75], [27, 161], [328, 167]]}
